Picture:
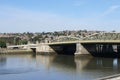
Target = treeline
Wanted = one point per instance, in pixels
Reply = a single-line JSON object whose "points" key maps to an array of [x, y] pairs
{"points": [[4, 41]]}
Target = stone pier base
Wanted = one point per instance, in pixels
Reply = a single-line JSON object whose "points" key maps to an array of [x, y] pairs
{"points": [[44, 48], [80, 50]]}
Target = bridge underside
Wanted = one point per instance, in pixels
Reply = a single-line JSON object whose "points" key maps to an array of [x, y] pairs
{"points": [[33, 49], [67, 49], [95, 49], [103, 49]]}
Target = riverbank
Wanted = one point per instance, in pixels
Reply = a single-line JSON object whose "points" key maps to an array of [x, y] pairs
{"points": [[8, 51]]}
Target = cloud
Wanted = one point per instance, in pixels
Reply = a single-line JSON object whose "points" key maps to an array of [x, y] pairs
{"points": [[110, 10]]}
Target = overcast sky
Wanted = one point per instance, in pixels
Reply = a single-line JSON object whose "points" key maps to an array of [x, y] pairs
{"points": [[57, 15]]}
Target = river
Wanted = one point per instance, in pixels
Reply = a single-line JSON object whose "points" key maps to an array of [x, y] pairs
{"points": [[56, 67]]}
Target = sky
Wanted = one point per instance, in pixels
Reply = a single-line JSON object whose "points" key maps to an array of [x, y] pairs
{"points": [[59, 15]]}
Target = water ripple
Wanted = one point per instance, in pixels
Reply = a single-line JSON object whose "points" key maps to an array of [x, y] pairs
{"points": [[16, 71]]}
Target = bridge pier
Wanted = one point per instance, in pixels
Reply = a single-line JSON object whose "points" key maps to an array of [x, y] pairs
{"points": [[44, 48], [118, 49], [80, 49]]}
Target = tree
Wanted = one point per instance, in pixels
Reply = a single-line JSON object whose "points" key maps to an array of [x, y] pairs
{"points": [[24, 41], [2, 44], [113, 31]]}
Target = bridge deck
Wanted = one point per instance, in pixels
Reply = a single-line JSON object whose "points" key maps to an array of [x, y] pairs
{"points": [[86, 41], [69, 42]]}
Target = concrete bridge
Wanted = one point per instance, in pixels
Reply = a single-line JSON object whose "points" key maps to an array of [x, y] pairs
{"points": [[97, 44], [27, 47]]}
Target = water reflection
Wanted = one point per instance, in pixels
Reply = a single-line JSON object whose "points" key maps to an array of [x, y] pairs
{"points": [[45, 60], [64, 62], [85, 67], [69, 67], [97, 67], [97, 63], [2, 61]]}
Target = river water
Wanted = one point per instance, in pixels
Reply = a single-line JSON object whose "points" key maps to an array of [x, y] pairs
{"points": [[56, 67]]}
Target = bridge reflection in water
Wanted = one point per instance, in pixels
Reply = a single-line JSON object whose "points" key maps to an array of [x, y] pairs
{"points": [[84, 67]]}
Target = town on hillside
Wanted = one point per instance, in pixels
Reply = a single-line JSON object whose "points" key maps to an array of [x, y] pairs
{"points": [[41, 37]]}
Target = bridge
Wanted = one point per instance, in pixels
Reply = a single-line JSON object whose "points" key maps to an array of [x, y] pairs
{"points": [[98, 44]]}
